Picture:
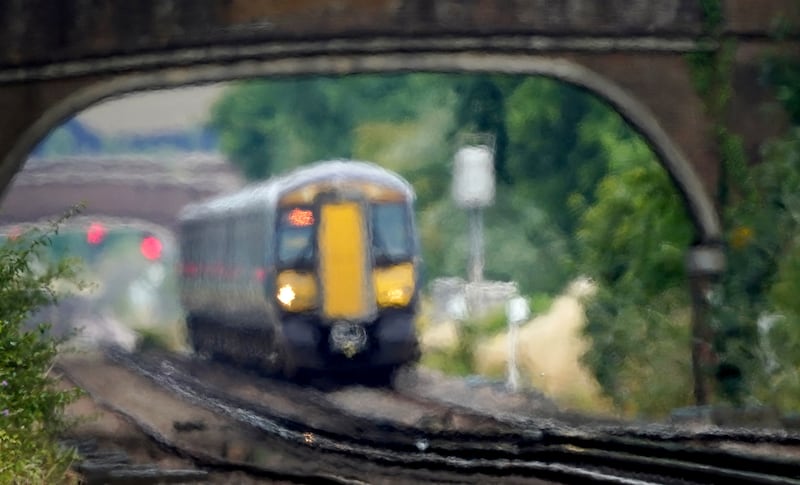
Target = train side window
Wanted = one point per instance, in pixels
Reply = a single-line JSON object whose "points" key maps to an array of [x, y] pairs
{"points": [[186, 243], [201, 248], [248, 236], [240, 242], [192, 245], [266, 246], [258, 235], [216, 249]]}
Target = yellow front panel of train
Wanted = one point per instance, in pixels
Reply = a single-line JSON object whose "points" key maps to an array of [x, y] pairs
{"points": [[343, 258]]}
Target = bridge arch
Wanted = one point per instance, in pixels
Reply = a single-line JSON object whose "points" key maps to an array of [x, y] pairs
{"points": [[698, 202], [121, 186]]}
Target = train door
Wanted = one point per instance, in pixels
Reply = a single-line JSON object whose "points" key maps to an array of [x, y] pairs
{"points": [[344, 262]]}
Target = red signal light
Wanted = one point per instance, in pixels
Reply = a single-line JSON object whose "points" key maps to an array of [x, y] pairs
{"points": [[96, 233], [151, 248]]}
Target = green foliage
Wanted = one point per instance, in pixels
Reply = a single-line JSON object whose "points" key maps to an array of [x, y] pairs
{"points": [[784, 75], [633, 240], [414, 149], [713, 16], [754, 314], [268, 126], [459, 359], [540, 303], [761, 283], [481, 109], [31, 408], [555, 149], [154, 339], [521, 244], [637, 232], [711, 72], [736, 305], [636, 341], [493, 323], [456, 361]]}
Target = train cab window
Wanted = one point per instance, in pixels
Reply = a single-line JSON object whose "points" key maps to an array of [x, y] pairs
{"points": [[391, 240], [296, 238]]}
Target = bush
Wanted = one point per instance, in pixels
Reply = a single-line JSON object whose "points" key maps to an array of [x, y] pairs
{"points": [[31, 407], [459, 360]]}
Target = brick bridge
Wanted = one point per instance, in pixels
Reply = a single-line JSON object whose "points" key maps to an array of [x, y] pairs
{"points": [[60, 57], [122, 187]]}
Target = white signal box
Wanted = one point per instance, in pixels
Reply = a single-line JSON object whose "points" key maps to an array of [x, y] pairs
{"points": [[473, 177]]}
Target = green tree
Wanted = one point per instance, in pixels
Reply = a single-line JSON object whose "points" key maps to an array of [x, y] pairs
{"points": [[31, 407], [481, 108], [753, 314], [757, 316], [268, 126], [521, 245], [555, 150], [632, 242], [784, 75]]}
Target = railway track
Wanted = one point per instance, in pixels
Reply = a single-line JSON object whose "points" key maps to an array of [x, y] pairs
{"points": [[437, 441]]}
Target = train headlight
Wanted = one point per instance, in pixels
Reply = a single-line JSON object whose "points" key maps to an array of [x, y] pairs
{"points": [[286, 295], [396, 297], [297, 292], [394, 286]]}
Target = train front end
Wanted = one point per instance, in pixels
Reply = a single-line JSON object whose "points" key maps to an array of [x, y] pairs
{"points": [[347, 276]]}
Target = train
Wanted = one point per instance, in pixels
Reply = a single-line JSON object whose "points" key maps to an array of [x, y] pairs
{"points": [[314, 270]]}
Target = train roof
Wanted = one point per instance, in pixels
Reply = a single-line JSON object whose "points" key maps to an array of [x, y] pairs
{"points": [[267, 193]]}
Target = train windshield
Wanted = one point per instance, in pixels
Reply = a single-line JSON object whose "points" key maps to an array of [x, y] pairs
{"points": [[296, 238], [391, 238]]}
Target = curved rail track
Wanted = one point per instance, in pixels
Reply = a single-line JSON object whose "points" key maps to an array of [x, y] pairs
{"points": [[381, 428]]}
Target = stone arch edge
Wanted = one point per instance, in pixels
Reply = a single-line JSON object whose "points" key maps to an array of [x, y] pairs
{"points": [[699, 204]]}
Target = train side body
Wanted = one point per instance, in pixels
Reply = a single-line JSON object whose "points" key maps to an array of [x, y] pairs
{"points": [[316, 269]]}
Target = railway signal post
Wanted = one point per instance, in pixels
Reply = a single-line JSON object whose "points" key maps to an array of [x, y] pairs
{"points": [[517, 311], [473, 189]]}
